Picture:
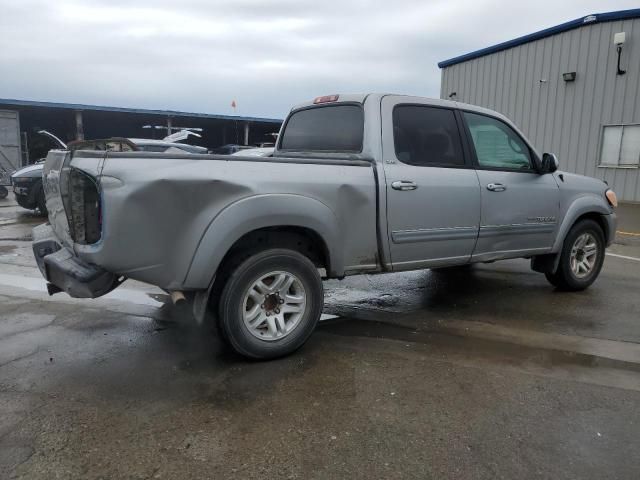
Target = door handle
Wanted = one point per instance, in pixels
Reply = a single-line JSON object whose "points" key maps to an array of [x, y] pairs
{"points": [[404, 185], [496, 187]]}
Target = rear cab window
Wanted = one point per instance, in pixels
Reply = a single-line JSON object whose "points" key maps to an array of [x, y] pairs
{"points": [[331, 128]]}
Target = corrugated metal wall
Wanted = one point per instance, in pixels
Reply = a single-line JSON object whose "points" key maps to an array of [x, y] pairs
{"points": [[563, 118], [10, 155]]}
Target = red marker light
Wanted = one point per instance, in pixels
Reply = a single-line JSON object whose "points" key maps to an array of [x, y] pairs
{"points": [[326, 99]]}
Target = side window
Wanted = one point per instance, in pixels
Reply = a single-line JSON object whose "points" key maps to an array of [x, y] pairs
{"points": [[426, 136], [496, 144]]}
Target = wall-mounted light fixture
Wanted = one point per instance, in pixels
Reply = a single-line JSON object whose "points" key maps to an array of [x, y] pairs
{"points": [[453, 95], [618, 40], [569, 76]]}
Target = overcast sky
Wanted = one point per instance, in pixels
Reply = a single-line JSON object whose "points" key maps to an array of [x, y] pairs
{"points": [[199, 55]]}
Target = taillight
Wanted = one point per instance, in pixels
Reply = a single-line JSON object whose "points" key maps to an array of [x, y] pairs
{"points": [[82, 206]]}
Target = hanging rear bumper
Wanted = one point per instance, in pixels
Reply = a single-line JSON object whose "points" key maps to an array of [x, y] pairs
{"points": [[65, 272]]}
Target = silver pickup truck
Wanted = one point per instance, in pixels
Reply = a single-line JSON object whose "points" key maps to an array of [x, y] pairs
{"points": [[357, 184]]}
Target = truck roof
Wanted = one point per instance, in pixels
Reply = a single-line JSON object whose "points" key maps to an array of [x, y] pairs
{"points": [[361, 97]]}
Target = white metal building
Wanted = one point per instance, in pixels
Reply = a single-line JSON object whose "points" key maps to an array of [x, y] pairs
{"points": [[574, 89]]}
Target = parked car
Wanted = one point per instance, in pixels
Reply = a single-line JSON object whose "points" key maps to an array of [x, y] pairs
{"points": [[256, 152], [27, 182], [27, 187], [146, 145], [230, 149], [5, 178], [357, 184]]}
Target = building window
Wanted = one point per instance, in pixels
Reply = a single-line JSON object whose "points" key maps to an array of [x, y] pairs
{"points": [[620, 146]]}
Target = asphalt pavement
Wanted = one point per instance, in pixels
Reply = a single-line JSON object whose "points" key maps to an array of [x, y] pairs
{"points": [[471, 374]]}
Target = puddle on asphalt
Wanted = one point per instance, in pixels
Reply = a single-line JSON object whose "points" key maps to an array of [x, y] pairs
{"points": [[138, 297], [8, 251], [34, 284], [590, 367], [21, 221]]}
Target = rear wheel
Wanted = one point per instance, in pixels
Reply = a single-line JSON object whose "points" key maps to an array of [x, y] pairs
{"points": [[270, 304], [581, 258]]}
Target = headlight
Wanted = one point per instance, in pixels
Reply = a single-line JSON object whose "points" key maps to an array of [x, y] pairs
{"points": [[611, 198]]}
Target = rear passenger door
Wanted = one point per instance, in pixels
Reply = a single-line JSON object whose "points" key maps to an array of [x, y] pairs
{"points": [[433, 194], [519, 206]]}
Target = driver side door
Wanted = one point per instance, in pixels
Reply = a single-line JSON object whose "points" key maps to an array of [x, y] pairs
{"points": [[519, 207]]}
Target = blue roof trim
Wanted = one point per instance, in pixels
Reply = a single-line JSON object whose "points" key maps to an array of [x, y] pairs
{"points": [[563, 27], [172, 113]]}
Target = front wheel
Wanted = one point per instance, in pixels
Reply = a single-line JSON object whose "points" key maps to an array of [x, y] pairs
{"points": [[3, 192], [41, 201], [270, 304], [581, 257]]}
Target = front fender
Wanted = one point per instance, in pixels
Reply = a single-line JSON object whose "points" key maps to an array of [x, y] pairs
{"points": [[588, 203], [261, 211]]}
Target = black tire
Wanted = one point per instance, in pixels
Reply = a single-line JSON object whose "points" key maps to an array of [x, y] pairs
{"points": [[231, 305], [564, 278], [41, 201], [3, 192]]}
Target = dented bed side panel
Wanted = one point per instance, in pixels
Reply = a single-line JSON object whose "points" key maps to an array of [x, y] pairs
{"points": [[169, 220]]}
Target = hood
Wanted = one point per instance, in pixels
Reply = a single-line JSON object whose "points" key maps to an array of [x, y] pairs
{"points": [[573, 181], [34, 170]]}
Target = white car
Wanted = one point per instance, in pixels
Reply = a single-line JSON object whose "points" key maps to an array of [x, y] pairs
{"points": [[255, 152]]}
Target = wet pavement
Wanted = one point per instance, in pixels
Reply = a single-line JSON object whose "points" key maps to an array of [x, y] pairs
{"points": [[480, 373]]}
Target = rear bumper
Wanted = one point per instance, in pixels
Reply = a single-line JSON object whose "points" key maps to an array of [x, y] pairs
{"points": [[65, 271]]}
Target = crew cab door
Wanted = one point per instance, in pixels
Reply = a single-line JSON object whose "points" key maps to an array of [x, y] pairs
{"points": [[519, 206], [433, 193]]}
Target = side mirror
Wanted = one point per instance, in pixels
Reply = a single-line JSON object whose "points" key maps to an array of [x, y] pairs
{"points": [[549, 163]]}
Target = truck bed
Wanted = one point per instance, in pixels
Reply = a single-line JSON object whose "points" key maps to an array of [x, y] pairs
{"points": [[165, 218]]}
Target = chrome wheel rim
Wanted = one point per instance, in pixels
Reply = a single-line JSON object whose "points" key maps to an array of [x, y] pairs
{"points": [[274, 305], [584, 255]]}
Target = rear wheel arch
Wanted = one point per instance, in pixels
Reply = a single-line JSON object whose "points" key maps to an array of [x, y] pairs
{"points": [[268, 218], [300, 239]]}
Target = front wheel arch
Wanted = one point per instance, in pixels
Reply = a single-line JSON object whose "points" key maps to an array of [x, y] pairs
{"points": [[563, 277], [548, 263]]}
